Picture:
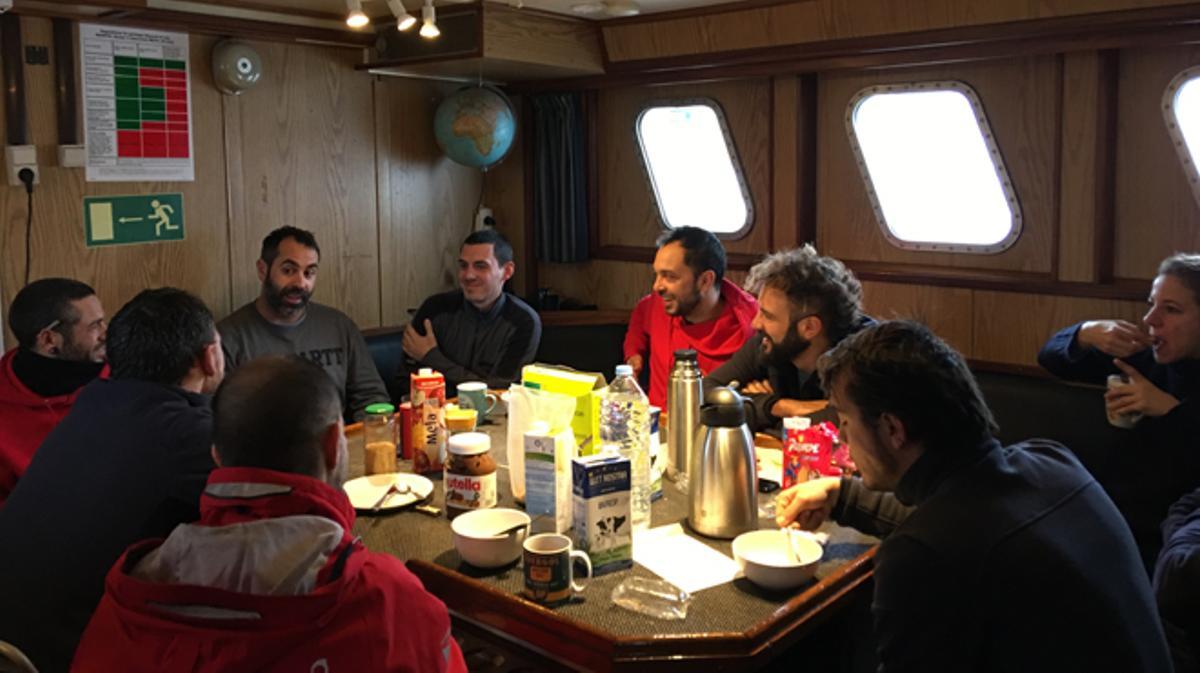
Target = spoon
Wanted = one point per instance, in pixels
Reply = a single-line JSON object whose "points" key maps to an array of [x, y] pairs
{"points": [[510, 529], [392, 490], [791, 544]]}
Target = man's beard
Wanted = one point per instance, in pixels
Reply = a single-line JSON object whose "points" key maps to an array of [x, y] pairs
{"points": [[783, 353], [685, 305], [274, 296], [73, 352]]}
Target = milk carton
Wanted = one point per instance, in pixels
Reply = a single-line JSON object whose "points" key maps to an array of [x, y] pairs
{"points": [[603, 526], [548, 478]]}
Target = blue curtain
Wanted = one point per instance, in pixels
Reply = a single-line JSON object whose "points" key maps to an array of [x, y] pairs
{"points": [[560, 204]]}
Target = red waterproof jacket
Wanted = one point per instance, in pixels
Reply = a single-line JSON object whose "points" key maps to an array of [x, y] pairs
{"points": [[25, 420], [654, 332], [270, 579]]}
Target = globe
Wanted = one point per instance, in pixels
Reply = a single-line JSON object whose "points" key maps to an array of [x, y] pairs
{"points": [[474, 126]]}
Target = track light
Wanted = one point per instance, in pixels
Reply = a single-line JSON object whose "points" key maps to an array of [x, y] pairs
{"points": [[429, 29], [356, 18], [404, 20]]}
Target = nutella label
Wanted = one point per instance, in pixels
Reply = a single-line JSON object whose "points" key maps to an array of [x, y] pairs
{"points": [[465, 491]]}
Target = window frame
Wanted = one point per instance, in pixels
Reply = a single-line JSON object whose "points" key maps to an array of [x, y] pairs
{"points": [[989, 140], [730, 146], [1175, 130]]}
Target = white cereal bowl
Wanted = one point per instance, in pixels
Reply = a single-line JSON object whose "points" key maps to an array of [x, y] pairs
{"points": [[765, 560], [476, 543]]}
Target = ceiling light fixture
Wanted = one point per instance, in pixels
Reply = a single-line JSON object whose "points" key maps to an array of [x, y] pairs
{"points": [[429, 29], [356, 18], [621, 8], [404, 20]]}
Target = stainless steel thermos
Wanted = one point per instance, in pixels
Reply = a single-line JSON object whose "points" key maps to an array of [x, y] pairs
{"points": [[683, 411], [722, 478]]}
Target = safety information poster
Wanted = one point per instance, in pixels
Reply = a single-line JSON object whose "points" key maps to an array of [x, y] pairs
{"points": [[137, 104]]}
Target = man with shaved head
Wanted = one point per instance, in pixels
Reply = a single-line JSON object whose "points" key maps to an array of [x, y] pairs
{"points": [[274, 549]]}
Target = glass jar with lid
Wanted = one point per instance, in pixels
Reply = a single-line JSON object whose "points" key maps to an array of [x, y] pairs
{"points": [[379, 439], [470, 475]]}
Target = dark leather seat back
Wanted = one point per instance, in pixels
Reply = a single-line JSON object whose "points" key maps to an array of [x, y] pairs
{"points": [[1073, 414], [388, 353]]}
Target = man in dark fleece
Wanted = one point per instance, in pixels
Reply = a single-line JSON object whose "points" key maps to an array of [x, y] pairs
{"points": [[128, 462], [1008, 559]]}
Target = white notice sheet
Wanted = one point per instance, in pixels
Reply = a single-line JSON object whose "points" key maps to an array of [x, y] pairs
{"points": [[661, 549]]}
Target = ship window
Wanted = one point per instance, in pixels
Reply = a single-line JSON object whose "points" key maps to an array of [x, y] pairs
{"points": [[932, 169], [1181, 111], [692, 167]]}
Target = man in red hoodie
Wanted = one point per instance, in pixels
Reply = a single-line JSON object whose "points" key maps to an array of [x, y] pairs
{"points": [[272, 577], [692, 306], [60, 328]]}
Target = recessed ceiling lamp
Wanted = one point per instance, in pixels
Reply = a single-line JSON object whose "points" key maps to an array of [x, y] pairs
{"points": [[588, 8], [356, 18], [429, 29], [621, 8], [404, 20]]}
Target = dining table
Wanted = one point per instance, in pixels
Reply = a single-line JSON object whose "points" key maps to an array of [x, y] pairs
{"points": [[733, 626]]}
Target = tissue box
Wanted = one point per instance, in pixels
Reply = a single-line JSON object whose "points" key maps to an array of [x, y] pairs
{"points": [[603, 525], [585, 387], [548, 479]]}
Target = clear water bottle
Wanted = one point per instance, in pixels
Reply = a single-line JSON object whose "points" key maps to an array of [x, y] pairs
{"points": [[625, 422]]}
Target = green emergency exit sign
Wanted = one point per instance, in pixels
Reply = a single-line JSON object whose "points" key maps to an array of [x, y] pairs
{"points": [[121, 220]]}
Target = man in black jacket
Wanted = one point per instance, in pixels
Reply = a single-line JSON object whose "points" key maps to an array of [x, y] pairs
{"points": [[127, 463], [1006, 558], [807, 303]]}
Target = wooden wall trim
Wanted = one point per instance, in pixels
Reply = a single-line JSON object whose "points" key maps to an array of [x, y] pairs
{"points": [[806, 161], [221, 26], [1106, 166], [1145, 27]]}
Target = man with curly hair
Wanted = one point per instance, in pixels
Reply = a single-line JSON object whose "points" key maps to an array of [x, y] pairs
{"points": [[807, 303]]}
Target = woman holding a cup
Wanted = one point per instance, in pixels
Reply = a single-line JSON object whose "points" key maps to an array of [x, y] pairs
{"points": [[1156, 395]]}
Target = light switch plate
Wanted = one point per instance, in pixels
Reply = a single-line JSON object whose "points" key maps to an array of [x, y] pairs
{"points": [[72, 156]]}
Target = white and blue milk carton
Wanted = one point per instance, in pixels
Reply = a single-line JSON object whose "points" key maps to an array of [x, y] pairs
{"points": [[548, 478], [603, 526]]}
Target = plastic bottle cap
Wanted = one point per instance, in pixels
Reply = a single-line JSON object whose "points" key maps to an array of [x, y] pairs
{"points": [[381, 408], [470, 443], [624, 370]]}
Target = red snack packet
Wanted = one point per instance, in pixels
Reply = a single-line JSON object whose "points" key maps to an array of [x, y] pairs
{"points": [[807, 450]]}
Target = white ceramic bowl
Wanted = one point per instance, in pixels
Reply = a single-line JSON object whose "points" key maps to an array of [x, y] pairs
{"points": [[476, 544], [765, 560]]}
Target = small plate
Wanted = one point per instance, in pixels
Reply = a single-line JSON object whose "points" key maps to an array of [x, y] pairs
{"points": [[364, 492]]}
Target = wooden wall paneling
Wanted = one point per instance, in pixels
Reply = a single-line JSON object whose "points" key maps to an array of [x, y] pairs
{"points": [[432, 200], [945, 310], [810, 21], [1087, 88], [628, 215], [531, 38], [1020, 98], [1011, 327], [308, 160], [1156, 213], [786, 175], [606, 283], [504, 192], [198, 264]]}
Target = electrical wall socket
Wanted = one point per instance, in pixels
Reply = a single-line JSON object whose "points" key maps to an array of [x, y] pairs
{"points": [[72, 156], [484, 219], [17, 157]]}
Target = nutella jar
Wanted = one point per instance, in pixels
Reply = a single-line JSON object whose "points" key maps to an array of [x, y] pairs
{"points": [[470, 477]]}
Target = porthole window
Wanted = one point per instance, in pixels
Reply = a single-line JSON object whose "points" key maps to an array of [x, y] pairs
{"points": [[932, 168], [1181, 111], [692, 167]]}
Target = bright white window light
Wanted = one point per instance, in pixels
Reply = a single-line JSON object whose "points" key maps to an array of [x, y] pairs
{"points": [[692, 167], [1181, 110], [933, 172]]}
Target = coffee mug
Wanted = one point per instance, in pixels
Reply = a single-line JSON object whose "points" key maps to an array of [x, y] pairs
{"points": [[474, 395], [549, 573]]}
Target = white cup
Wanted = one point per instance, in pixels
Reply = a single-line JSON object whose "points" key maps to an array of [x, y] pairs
{"points": [[1125, 421]]}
